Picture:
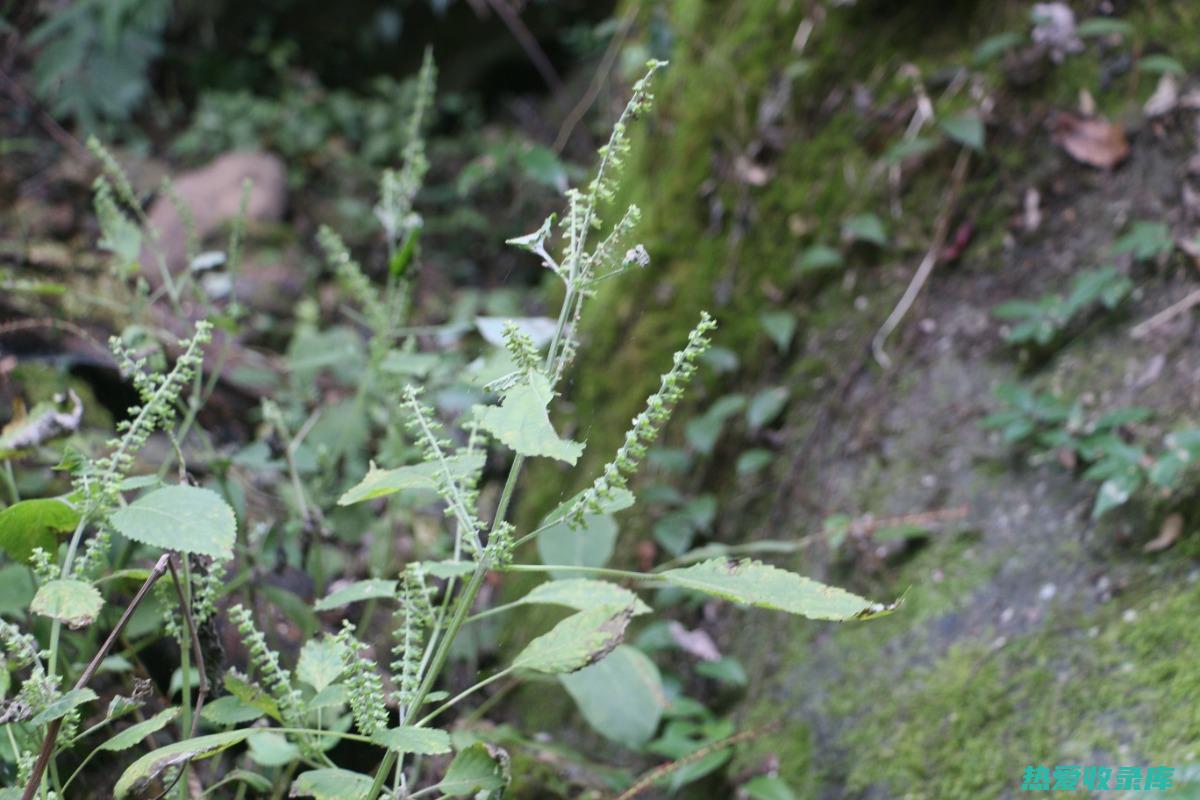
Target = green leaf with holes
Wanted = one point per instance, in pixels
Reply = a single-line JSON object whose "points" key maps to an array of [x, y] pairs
{"points": [[187, 519]]}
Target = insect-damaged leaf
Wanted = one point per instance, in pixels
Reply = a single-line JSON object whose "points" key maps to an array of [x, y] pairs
{"points": [[183, 518], [142, 773], [522, 421], [72, 602], [577, 641], [758, 584], [382, 482]]}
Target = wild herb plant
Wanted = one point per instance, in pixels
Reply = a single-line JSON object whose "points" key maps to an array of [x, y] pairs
{"points": [[1040, 322], [1110, 447], [343, 687]]}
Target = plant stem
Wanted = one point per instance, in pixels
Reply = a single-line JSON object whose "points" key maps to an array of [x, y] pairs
{"points": [[11, 483], [39, 766], [463, 694]]}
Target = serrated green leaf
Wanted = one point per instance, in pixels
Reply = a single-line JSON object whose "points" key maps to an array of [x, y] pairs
{"points": [[29, 524], [757, 584], [230, 710], [474, 771], [74, 603], [270, 749], [424, 476], [68, 702], [321, 662], [579, 640], [621, 697], [329, 697], [371, 588], [331, 784], [134, 734], [187, 519], [251, 694], [141, 774], [411, 739], [584, 593], [522, 422]]}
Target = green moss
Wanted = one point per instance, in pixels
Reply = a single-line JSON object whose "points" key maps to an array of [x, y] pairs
{"points": [[1117, 685]]}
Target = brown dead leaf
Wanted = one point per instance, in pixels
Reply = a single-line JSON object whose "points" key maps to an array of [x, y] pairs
{"points": [[1168, 534], [1165, 97], [1095, 142], [696, 642]]}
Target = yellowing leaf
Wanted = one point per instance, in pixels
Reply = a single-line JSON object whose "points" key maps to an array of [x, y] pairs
{"points": [[72, 602], [142, 774], [577, 641]]}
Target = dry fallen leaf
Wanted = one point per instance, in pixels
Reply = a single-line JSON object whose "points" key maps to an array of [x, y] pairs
{"points": [[1171, 528], [1165, 97], [1096, 142], [695, 642]]}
